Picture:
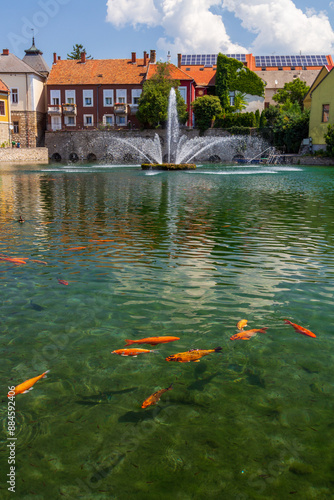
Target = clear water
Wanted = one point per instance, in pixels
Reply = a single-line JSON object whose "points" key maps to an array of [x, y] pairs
{"points": [[188, 254]]}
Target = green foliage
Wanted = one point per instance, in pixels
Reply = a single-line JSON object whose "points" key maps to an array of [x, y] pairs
{"points": [[206, 109], [294, 92], [240, 102], [329, 139], [239, 130], [290, 129], [232, 75], [270, 115], [153, 102], [76, 52], [263, 120], [229, 120], [257, 118]]}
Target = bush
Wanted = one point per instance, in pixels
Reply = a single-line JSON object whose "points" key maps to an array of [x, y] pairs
{"points": [[329, 139], [236, 120]]}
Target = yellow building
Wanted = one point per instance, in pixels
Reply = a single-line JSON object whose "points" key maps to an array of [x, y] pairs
{"points": [[4, 115], [322, 109]]}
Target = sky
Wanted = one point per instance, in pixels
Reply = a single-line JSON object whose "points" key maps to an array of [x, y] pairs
{"points": [[115, 28]]}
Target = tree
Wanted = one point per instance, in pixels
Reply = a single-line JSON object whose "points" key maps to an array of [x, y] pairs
{"points": [[206, 109], [232, 75], [76, 52], [294, 91], [329, 139], [240, 102], [153, 102]]}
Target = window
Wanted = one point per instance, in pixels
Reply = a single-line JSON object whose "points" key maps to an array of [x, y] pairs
{"points": [[325, 113], [15, 96], [87, 97], [2, 108], [121, 120], [69, 120], [135, 94], [121, 96], [108, 119], [183, 92], [108, 95], [70, 96], [232, 96], [55, 97], [88, 120], [16, 129]]}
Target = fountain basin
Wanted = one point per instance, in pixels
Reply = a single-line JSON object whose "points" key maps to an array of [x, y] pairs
{"points": [[168, 166]]}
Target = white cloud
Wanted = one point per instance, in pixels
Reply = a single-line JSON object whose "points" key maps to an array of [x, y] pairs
{"points": [[133, 12], [191, 26], [283, 28]]}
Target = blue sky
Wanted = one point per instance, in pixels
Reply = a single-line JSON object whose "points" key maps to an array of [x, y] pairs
{"points": [[115, 28]]}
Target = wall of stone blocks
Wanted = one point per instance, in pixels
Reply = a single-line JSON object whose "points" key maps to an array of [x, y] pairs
{"points": [[29, 155]]}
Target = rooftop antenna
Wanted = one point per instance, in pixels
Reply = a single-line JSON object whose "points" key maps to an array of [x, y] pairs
{"points": [[168, 56], [33, 36]]}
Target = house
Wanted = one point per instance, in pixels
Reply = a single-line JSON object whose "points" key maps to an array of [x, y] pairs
{"points": [[27, 97], [4, 114], [320, 76], [87, 93], [275, 71], [322, 109]]}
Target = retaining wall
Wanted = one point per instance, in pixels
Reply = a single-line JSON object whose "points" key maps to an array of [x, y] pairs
{"points": [[30, 155]]}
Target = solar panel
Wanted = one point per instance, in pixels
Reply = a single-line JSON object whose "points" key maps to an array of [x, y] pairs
{"points": [[294, 60], [207, 59]]}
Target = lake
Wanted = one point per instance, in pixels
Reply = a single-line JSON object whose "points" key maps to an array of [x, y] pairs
{"points": [[185, 254]]}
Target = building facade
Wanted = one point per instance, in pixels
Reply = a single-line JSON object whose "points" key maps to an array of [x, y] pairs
{"points": [[322, 110], [4, 115]]}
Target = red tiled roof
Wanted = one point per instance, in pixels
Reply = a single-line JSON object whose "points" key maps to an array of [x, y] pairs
{"points": [[3, 87], [175, 72], [97, 71], [202, 76]]}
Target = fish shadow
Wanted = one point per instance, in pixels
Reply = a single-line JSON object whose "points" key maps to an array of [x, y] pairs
{"points": [[104, 471], [136, 417], [101, 397]]}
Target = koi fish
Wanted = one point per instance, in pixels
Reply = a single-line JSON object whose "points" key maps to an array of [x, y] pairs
{"points": [[192, 355], [130, 352], [241, 324], [152, 340], [14, 260], [39, 261], [155, 397], [62, 282], [27, 385], [300, 329], [248, 334], [74, 248]]}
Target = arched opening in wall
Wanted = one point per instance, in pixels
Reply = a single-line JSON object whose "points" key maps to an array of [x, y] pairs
{"points": [[128, 158], [56, 157], [239, 158], [215, 159], [73, 157], [91, 157]]}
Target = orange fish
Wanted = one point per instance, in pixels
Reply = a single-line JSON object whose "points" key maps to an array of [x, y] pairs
{"points": [[300, 329], [28, 384], [154, 398], [130, 352], [14, 260], [248, 334], [241, 324], [62, 282], [39, 261], [192, 355], [152, 340], [75, 248]]}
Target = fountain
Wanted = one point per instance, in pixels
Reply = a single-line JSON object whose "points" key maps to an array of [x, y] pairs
{"points": [[178, 152]]}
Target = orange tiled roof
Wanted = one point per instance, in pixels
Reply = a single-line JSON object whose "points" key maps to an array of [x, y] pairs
{"points": [[111, 71], [3, 87], [175, 72], [202, 76]]}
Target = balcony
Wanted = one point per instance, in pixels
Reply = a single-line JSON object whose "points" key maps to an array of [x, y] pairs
{"points": [[120, 109], [133, 108], [69, 109], [54, 109]]}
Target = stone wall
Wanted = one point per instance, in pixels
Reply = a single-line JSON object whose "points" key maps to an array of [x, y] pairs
{"points": [[131, 146], [4, 133], [32, 125], [30, 155]]}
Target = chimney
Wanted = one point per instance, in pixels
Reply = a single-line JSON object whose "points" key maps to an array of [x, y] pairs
{"points": [[83, 57], [54, 58], [59, 58], [133, 57], [145, 58], [179, 57], [152, 57], [5, 52]]}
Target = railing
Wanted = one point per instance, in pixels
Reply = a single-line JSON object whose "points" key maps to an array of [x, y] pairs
{"points": [[54, 109], [120, 108], [69, 109]]}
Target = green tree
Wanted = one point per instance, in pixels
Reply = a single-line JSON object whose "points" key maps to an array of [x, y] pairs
{"points": [[240, 102], [291, 127], [294, 91], [232, 75], [206, 109], [76, 52], [153, 102], [329, 139]]}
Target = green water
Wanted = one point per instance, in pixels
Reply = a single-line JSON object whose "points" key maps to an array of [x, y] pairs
{"points": [[189, 254]]}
